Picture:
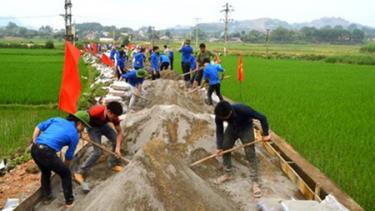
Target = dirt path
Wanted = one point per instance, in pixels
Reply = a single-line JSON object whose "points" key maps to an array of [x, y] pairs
{"points": [[18, 183]]}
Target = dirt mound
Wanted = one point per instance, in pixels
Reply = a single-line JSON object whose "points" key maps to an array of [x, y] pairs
{"points": [[168, 132], [172, 92]]}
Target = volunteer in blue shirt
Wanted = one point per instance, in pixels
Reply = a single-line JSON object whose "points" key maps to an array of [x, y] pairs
{"points": [[186, 51], [155, 64], [170, 54], [164, 62], [112, 53], [240, 126], [193, 67], [135, 78], [211, 74], [48, 139], [139, 59], [120, 65]]}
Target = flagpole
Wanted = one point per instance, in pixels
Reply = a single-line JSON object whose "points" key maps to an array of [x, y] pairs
{"points": [[241, 91]]}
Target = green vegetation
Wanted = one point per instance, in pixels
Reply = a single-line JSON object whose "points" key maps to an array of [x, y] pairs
{"points": [[369, 48], [29, 90], [31, 76], [324, 110], [17, 125]]}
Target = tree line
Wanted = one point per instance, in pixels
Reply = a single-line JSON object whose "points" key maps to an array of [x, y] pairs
{"points": [[332, 35]]}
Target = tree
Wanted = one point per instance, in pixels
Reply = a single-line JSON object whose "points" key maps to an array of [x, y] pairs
{"points": [[358, 36], [282, 35], [50, 45], [168, 34]]}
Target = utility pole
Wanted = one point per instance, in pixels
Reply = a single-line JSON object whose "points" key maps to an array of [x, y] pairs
{"points": [[267, 39], [196, 32], [227, 9], [68, 21]]}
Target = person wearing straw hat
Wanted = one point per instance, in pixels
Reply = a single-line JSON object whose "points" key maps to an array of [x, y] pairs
{"points": [[240, 126], [135, 78], [50, 137]]}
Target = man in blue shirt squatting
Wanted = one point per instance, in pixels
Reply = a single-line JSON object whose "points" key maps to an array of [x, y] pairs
{"points": [[240, 126], [186, 51], [155, 63], [211, 74], [139, 59], [48, 139], [135, 78]]}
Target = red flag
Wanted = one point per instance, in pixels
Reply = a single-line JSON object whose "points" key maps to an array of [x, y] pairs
{"points": [[71, 86], [130, 46], [240, 69], [106, 60], [94, 51]]}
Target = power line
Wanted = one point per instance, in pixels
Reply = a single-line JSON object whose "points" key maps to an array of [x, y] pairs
{"points": [[30, 17], [227, 9]]}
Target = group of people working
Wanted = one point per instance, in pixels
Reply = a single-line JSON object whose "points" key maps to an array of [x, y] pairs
{"points": [[51, 135]]}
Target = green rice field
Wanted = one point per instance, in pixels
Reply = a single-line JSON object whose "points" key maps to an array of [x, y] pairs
{"points": [[30, 81]]}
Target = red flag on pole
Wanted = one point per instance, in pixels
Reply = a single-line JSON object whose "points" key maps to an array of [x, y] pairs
{"points": [[94, 51], [106, 60], [240, 69], [130, 46], [71, 86]]}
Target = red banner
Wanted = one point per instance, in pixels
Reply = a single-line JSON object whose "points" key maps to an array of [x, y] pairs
{"points": [[71, 85]]}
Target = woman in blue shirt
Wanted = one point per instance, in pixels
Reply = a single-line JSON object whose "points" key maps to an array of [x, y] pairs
{"points": [[50, 137]]}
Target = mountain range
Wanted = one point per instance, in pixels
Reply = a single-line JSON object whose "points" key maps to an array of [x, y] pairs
{"points": [[260, 24]]}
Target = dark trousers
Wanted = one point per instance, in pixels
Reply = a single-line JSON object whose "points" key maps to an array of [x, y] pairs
{"points": [[95, 134], [197, 77], [155, 75], [171, 59], [211, 89], [47, 161], [164, 66], [186, 69], [119, 72], [246, 135]]}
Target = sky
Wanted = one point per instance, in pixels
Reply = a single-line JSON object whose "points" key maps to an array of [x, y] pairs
{"points": [[169, 13]]}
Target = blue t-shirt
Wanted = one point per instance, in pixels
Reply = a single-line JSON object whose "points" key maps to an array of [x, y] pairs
{"points": [[155, 62], [139, 60], [121, 62], [186, 52], [112, 54], [164, 58], [193, 63], [57, 133], [211, 72], [171, 54], [132, 78]]}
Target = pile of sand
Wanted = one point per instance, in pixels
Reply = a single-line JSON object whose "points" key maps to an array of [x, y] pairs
{"points": [[162, 137]]}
